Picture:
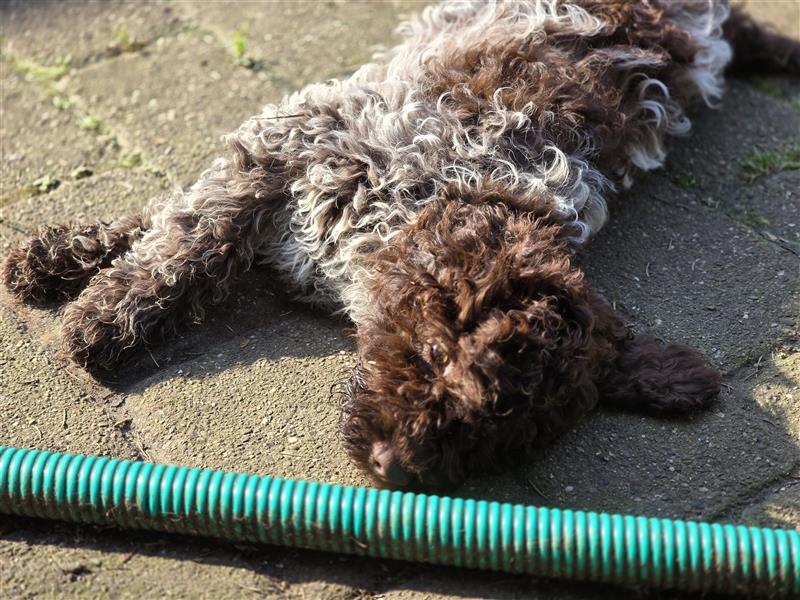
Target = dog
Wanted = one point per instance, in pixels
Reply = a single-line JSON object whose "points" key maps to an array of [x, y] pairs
{"points": [[437, 196]]}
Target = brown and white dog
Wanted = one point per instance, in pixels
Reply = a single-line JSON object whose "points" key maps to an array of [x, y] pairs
{"points": [[437, 197]]}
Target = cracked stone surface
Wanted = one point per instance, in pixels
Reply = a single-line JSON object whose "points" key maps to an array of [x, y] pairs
{"points": [[700, 252], [326, 46], [61, 146], [103, 196], [47, 32], [177, 127]]}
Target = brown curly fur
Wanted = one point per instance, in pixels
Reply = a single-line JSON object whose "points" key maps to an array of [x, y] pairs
{"points": [[59, 262], [580, 79], [487, 341]]}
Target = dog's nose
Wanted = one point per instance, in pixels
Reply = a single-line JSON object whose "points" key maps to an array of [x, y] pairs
{"points": [[386, 466]]}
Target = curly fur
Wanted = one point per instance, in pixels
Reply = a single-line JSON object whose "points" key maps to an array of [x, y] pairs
{"points": [[436, 196], [487, 340], [58, 263]]}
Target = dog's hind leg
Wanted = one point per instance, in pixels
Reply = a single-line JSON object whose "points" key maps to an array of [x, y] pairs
{"points": [[196, 245], [59, 262]]}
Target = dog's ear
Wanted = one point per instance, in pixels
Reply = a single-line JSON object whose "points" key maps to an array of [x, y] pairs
{"points": [[648, 374], [661, 378]]}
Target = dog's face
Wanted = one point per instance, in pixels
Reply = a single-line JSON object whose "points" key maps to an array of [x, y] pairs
{"points": [[481, 341]]}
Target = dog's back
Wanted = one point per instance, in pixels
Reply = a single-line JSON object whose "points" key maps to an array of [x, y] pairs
{"points": [[555, 102]]}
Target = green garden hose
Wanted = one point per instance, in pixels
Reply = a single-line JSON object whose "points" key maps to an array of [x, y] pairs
{"points": [[551, 542]]}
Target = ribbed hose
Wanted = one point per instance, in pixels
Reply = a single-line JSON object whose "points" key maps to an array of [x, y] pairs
{"points": [[660, 553]]}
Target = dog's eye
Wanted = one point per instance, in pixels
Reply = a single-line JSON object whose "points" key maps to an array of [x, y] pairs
{"points": [[439, 354]]}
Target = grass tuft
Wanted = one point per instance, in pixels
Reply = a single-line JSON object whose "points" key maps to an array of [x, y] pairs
{"points": [[684, 180], [239, 44], [124, 42], [61, 102], [241, 55], [123, 39], [43, 185], [768, 162], [752, 219], [768, 87], [42, 73], [91, 123], [130, 160]]}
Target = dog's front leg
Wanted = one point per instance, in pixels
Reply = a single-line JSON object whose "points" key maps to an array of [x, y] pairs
{"points": [[59, 262], [196, 245]]}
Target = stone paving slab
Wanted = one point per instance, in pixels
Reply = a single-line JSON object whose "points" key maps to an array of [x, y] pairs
{"points": [[688, 247], [268, 37], [782, 15], [42, 406], [175, 101], [720, 175], [237, 406], [777, 390], [47, 32], [781, 509], [100, 197], [41, 140], [92, 563], [681, 269]]}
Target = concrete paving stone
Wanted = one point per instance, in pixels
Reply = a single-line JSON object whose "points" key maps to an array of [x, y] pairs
{"points": [[782, 15], [678, 468], [778, 220], [432, 582], [777, 388], [44, 560], [237, 406], [689, 251], [682, 269], [47, 31], [256, 301], [710, 165], [295, 43], [104, 196], [174, 103], [781, 509], [38, 140], [42, 406]]}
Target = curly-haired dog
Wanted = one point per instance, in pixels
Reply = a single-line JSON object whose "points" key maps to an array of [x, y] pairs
{"points": [[438, 196]]}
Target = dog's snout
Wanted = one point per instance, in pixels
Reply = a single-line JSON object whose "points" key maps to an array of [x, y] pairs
{"points": [[386, 466]]}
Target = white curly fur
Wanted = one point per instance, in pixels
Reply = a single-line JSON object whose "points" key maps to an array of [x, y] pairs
{"points": [[402, 150]]}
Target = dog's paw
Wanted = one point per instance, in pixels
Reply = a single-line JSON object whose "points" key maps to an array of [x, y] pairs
{"points": [[29, 272], [51, 267], [91, 336], [21, 279]]}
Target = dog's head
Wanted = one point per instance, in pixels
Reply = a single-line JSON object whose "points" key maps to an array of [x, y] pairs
{"points": [[481, 332]]}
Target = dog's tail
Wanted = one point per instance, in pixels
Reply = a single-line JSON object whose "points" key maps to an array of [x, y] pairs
{"points": [[757, 49]]}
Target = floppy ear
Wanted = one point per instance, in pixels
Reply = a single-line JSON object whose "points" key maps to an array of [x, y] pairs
{"points": [[647, 374]]}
